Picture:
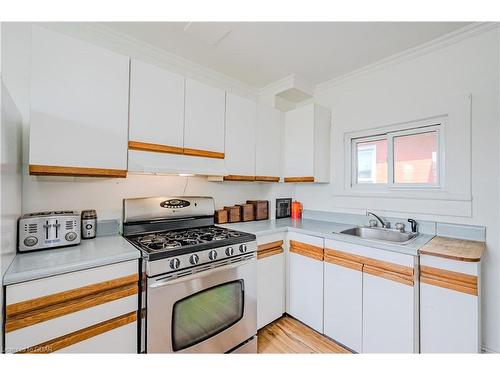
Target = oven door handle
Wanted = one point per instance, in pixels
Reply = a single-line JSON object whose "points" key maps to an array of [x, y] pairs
{"points": [[196, 275]]}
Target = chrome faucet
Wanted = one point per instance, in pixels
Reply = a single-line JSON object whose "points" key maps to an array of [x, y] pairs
{"points": [[382, 222]]}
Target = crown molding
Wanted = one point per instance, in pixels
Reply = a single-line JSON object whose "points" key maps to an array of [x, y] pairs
{"points": [[446, 40], [95, 32]]}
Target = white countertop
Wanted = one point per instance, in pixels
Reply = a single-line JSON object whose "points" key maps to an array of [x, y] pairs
{"points": [[325, 229], [96, 252]]}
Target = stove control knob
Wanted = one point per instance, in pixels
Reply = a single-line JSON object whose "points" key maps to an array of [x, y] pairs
{"points": [[193, 259], [243, 248], [175, 263], [212, 255], [229, 251]]}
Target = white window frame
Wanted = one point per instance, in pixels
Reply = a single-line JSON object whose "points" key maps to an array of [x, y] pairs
{"points": [[410, 129]]}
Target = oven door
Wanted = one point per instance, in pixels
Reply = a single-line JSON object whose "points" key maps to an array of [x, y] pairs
{"points": [[209, 311]]}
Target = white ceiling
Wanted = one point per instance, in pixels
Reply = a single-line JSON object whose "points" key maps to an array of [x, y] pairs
{"points": [[259, 53]]}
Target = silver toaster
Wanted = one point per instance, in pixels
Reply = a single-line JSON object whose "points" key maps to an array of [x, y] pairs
{"points": [[43, 230]]}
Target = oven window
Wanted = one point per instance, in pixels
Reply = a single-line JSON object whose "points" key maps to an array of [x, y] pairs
{"points": [[206, 313]]}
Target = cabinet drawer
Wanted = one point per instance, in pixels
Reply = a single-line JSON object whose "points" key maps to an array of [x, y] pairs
{"points": [[115, 340], [48, 286], [49, 330]]}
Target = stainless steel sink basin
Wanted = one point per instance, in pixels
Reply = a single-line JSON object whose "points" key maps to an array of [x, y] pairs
{"points": [[381, 234]]}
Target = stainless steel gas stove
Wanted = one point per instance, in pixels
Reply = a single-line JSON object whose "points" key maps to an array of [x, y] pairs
{"points": [[200, 290]]}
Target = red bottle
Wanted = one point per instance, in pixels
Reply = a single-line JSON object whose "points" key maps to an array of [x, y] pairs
{"points": [[296, 210]]}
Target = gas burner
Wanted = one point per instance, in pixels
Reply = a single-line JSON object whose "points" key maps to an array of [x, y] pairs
{"points": [[201, 236]]}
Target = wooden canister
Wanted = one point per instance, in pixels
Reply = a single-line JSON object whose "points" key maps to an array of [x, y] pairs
{"points": [[221, 216], [260, 209], [233, 213], [247, 212]]}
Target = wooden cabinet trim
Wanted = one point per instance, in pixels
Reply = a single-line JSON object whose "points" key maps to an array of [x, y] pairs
{"points": [[269, 245], [394, 276], [306, 250], [52, 170], [239, 178], [391, 267], [299, 179], [269, 249], [204, 153], [457, 281], [343, 262], [267, 178], [68, 295], [153, 147], [81, 335], [64, 308], [269, 252], [391, 271]]}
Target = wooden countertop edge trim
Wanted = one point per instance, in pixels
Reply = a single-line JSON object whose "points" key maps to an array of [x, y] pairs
{"points": [[154, 147], [267, 179], [55, 311], [390, 267], [52, 170], [269, 252], [432, 248], [270, 245], [81, 335], [299, 179], [445, 256], [33, 304], [232, 177], [203, 153]]}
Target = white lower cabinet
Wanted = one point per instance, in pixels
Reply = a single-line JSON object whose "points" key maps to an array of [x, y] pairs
{"points": [[370, 302], [306, 279], [450, 318], [343, 300], [388, 316], [270, 279]]}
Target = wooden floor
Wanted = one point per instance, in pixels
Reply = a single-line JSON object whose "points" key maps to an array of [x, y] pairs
{"points": [[288, 335]]}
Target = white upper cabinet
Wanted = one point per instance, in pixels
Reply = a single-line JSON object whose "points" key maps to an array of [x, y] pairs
{"points": [[240, 135], [79, 107], [307, 144], [204, 124], [156, 106], [268, 144]]}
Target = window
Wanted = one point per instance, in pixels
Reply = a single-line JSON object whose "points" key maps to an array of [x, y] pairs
{"points": [[401, 158], [372, 161]]}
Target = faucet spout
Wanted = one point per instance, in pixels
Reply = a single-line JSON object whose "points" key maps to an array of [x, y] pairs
{"points": [[382, 222]]}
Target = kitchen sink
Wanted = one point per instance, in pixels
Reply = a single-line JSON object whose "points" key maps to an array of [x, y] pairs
{"points": [[381, 234]]}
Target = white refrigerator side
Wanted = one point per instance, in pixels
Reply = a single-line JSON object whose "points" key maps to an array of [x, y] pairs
{"points": [[10, 186]]}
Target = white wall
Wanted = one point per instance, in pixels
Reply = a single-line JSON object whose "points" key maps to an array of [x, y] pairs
{"points": [[470, 66]]}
